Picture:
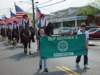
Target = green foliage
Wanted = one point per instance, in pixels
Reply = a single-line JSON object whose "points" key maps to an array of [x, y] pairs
{"points": [[88, 10], [30, 15]]}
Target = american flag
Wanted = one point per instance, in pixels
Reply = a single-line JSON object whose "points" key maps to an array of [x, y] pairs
{"points": [[38, 13], [41, 19], [12, 14], [19, 12]]}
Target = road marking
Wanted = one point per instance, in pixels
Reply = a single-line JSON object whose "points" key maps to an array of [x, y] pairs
{"points": [[67, 70], [58, 67]]}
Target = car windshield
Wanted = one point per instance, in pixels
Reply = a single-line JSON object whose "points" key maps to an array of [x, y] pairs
{"points": [[66, 29], [92, 29]]}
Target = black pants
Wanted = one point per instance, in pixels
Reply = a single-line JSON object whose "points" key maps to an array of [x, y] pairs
{"points": [[27, 45], [85, 59]]}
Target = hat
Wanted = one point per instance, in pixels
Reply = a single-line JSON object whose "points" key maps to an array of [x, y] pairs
{"points": [[83, 24], [25, 15]]}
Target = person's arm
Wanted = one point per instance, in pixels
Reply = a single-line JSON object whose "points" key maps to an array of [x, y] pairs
{"points": [[79, 32], [87, 35], [87, 38]]}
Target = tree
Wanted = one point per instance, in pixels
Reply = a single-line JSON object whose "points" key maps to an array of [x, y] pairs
{"points": [[88, 10]]}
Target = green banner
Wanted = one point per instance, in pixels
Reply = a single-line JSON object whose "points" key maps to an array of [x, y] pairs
{"points": [[62, 46]]}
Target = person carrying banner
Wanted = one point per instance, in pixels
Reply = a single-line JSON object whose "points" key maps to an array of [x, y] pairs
{"points": [[83, 30], [49, 29], [42, 61]]}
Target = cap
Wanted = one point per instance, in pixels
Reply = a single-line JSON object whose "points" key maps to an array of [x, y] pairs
{"points": [[83, 24]]}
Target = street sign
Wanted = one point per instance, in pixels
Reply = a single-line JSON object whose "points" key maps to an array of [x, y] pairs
{"points": [[62, 46]]}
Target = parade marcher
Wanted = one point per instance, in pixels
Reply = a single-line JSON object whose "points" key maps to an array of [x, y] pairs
{"points": [[42, 22], [82, 30], [15, 34], [24, 24], [0, 27], [26, 41], [42, 61], [32, 30], [9, 32], [25, 21], [3, 30]]}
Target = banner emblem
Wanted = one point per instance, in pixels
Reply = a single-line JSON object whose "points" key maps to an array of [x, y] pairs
{"points": [[62, 46]]}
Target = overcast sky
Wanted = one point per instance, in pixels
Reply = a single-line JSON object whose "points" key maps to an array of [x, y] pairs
{"points": [[5, 5]]}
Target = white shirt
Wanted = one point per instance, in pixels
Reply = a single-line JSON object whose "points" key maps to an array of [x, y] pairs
{"points": [[3, 26], [14, 26], [11, 26], [85, 32], [0, 27], [42, 22]]}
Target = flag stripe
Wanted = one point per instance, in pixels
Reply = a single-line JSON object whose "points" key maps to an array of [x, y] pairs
{"points": [[19, 12]]}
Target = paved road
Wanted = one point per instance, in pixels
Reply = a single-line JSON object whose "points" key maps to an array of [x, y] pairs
{"points": [[14, 62]]}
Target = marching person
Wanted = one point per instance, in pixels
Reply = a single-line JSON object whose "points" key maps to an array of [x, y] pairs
{"points": [[82, 30], [3, 29], [9, 32], [25, 21], [15, 34], [42, 62], [23, 25], [42, 22], [0, 29]]}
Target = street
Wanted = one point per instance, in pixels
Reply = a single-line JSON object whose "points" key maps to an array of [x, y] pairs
{"points": [[13, 61], [48, 37]]}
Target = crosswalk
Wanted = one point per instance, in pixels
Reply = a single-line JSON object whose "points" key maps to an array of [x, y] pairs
{"points": [[67, 70]]}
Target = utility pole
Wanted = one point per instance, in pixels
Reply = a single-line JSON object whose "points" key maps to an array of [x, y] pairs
{"points": [[33, 13]]}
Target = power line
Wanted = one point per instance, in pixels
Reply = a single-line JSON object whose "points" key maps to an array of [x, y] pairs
{"points": [[52, 4], [48, 4], [44, 2], [36, 2]]}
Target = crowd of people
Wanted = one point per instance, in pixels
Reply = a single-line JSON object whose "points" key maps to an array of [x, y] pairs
{"points": [[18, 32], [24, 33]]}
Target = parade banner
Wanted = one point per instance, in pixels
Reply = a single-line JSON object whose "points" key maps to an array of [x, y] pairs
{"points": [[62, 46]]}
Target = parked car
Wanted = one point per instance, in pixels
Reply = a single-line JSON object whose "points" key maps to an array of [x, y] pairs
{"points": [[94, 33], [67, 30], [90, 27]]}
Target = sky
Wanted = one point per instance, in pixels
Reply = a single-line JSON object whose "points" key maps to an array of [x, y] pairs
{"points": [[54, 5]]}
